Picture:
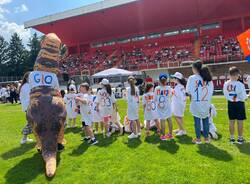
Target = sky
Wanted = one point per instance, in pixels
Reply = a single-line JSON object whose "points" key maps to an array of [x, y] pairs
{"points": [[13, 14]]}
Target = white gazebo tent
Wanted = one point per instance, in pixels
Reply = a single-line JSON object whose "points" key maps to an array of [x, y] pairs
{"points": [[112, 72], [115, 75]]}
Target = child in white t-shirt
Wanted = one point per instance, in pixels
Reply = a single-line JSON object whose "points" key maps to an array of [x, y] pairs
{"points": [[133, 100], [25, 100], [163, 94], [70, 101], [235, 93], [85, 101], [200, 88], [150, 108], [106, 102], [179, 102]]}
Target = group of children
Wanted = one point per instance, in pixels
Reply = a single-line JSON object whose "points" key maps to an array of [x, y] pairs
{"points": [[163, 102], [160, 104]]}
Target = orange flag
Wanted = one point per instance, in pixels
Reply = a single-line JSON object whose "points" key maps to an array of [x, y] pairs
{"points": [[244, 40]]}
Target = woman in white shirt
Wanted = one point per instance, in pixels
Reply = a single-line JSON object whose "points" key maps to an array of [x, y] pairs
{"points": [[133, 99], [200, 88], [24, 94], [179, 102]]}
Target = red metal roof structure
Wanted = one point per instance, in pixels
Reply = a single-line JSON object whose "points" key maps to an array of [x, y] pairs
{"points": [[113, 19]]}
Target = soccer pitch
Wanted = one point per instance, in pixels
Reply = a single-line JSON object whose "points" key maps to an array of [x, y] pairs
{"points": [[119, 160]]}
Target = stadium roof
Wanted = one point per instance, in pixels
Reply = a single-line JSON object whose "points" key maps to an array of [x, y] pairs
{"points": [[111, 19]]}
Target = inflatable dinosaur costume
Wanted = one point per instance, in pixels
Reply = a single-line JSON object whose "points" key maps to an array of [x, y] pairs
{"points": [[47, 112]]}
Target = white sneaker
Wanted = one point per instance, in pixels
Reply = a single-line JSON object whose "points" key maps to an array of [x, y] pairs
{"points": [[108, 134], [132, 136], [214, 135], [27, 140], [139, 134], [181, 133]]}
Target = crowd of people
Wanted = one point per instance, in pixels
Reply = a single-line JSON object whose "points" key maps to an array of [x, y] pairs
{"points": [[220, 46], [9, 93], [160, 103], [215, 48]]}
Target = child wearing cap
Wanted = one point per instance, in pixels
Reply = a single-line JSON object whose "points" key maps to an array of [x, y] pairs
{"points": [[106, 102], [163, 94], [85, 101], [235, 93], [133, 99], [70, 101], [200, 88], [179, 102], [150, 108]]}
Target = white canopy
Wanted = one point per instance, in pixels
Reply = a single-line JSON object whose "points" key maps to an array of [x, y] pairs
{"points": [[113, 72]]}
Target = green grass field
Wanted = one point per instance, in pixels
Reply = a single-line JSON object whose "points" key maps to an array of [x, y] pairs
{"points": [[119, 160]]}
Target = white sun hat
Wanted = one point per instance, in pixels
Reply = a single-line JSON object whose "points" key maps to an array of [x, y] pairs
{"points": [[177, 75], [104, 82]]}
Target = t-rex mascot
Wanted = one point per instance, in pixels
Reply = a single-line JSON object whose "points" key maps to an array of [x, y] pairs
{"points": [[47, 112]]}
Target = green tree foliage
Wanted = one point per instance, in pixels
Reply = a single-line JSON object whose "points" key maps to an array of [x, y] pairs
{"points": [[3, 55], [34, 46], [16, 56], [15, 59]]}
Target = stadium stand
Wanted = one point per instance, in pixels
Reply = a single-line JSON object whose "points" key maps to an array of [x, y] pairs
{"points": [[167, 52]]}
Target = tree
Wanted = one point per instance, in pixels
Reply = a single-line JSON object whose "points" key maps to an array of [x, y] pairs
{"points": [[3, 55], [34, 46], [17, 56]]}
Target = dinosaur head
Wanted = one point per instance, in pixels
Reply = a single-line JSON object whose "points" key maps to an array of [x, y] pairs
{"points": [[48, 57]]}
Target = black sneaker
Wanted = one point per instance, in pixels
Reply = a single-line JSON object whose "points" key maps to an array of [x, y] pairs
{"points": [[93, 142], [60, 147], [85, 138], [232, 140], [240, 141]]}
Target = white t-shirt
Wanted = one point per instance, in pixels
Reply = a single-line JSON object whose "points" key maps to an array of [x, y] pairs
{"points": [[179, 100], [106, 102], [86, 109], [149, 100], [70, 101], [133, 104], [96, 115], [201, 95], [25, 96], [40, 78], [234, 91], [163, 96], [2, 92]]}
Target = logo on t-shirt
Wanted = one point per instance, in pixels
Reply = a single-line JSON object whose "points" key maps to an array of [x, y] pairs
{"points": [[40, 78]]}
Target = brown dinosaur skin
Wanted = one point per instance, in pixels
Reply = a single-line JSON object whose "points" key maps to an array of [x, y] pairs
{"points": [[47, 115], [47, 111]]}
